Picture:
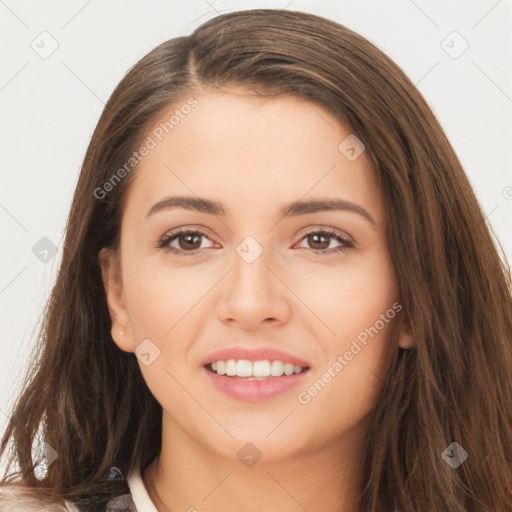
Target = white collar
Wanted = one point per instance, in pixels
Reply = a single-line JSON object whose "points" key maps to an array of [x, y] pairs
{"points": [[139, 493]]}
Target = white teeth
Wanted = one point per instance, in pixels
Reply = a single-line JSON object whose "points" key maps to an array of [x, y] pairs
{"points": [[244, 368], [230, 367], [261, 369], [257, 369], [288, 369], [277, 368], [221, 368]]}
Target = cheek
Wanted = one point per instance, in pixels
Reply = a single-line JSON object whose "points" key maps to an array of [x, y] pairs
{"points": [[349, 297], [163, 304], [359, 303], [345, 391], [159, 296]]}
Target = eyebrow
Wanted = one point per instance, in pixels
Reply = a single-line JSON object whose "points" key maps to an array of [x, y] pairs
{"points": [[293, 209]]}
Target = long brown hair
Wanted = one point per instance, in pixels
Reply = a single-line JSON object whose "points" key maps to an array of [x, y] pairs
{"points": [[455, 385]]}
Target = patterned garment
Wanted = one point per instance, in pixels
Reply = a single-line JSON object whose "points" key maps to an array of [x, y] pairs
{"points": [[16, 497], [122, 503]]}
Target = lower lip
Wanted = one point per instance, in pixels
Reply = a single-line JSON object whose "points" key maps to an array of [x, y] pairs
{"points": [[254, 390]]}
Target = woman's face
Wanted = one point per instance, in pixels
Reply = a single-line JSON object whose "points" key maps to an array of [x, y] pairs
{"points": [[253, 278]]}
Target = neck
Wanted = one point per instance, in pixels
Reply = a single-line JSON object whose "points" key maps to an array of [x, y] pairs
{"points": [[189, 477]]}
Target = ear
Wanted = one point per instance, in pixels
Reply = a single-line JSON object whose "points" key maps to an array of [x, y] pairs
{"points": [[111, 274], [405, 336]]}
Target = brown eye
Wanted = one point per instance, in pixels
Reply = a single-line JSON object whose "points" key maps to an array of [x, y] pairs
{"points": [[315, 242], [319, 242], [188, 242]]}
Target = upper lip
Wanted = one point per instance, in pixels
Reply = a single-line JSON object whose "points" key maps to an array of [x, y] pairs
{"points": [[254, 354]]}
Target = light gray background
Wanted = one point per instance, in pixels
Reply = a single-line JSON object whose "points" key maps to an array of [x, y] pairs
{"points": [[49, 107]]}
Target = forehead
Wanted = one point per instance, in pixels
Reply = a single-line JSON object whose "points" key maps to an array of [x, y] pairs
{"points": [[252, 151]]}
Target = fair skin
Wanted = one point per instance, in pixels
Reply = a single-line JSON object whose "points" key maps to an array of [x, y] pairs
{"points": [[255, 155]]}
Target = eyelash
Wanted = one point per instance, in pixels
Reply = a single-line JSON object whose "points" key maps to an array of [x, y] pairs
{"points": [[164, 242]]}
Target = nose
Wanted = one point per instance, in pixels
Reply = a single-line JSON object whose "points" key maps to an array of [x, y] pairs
{"points": [[254, 295]]}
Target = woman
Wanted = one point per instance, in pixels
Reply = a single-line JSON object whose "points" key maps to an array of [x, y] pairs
{"points": [[277, 292]]}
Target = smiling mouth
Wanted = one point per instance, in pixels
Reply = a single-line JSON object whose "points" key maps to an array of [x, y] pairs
{"points": [[254, 370]]}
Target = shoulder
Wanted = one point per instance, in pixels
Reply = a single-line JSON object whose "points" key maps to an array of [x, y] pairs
{"points": [[20, 498]]}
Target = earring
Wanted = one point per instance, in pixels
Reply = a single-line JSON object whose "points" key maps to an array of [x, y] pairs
{"points": [[120, 332]]}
